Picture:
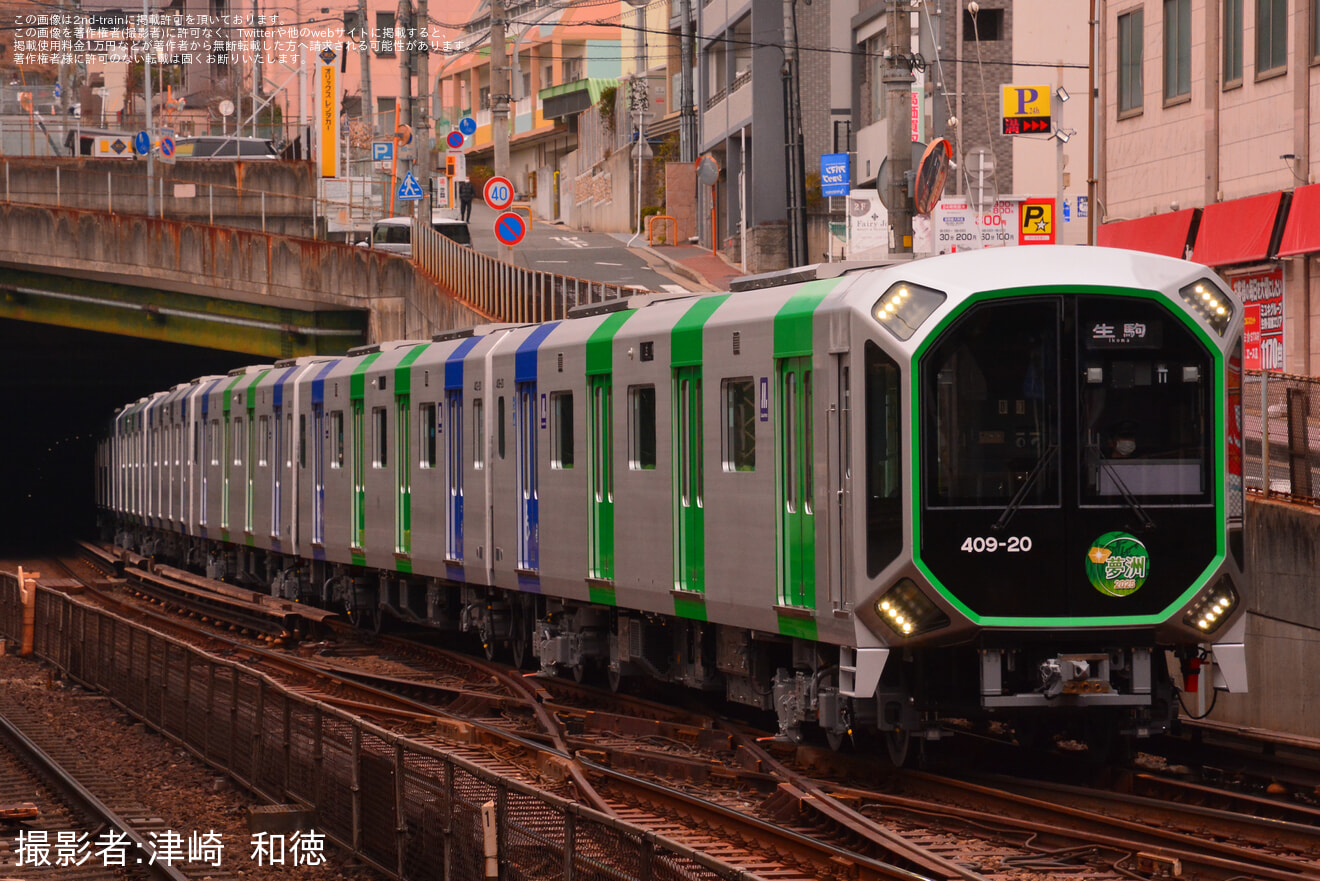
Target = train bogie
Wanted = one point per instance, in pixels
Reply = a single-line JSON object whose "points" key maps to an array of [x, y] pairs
{"points": [[872, 498]]}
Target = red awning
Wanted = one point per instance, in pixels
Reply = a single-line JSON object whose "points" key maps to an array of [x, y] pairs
{"points": [[1301, 232], [1158, 234], [1238, 231]]}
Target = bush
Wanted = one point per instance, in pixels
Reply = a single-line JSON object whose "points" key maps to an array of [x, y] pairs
{"points": [[479, 174]]}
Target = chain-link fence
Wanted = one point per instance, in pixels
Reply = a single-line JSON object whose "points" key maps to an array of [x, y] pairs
{"points": [[1284, 442], [408, 807]]}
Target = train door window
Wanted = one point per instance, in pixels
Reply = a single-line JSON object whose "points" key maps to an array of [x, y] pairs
{"points": [[641, 427], [600, 464], [302, 440], [239, 439], [739, 434], [263, 441], [426, 426], [884, 461], [287, 448], [689, 513], [455, 464], [529, 520], [337, 438], [318, 473], [227, 456], [795, 484], [359, 466], [478, 434], [277, 484], [1146, 406], [499, 427], [561, 430], [991, 389], [403, 477], [380, 438]]}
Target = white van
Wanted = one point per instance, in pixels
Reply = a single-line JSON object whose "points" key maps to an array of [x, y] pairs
{"points": [[394, 234]]}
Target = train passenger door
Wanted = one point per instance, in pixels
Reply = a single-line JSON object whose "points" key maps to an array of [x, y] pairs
{"points": [[403, 475], [359, 453], [689, 479], [600, 476], [524, 426], [794, 483], [318, 473]]}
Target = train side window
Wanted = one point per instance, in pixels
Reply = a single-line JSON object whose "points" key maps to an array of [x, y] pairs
{"points": [[427, 423], [739, 425], [380, 425], [561, 430], [641, 427], [884, 461]]}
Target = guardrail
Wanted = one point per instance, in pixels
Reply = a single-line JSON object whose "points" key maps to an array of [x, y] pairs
{"points": [[1286, 443], [505, 291], [409, 808]]}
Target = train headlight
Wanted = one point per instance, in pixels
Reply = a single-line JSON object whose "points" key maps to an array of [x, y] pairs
{"points": [[908, 611], [1207, 300], [1212, 606], [905, 306]]}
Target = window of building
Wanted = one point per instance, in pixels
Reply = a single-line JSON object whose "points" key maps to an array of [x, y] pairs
{"points": [[1315, 28], [986, 25], [641, 427], [1177, 49], [384, 33], [561, 430], [1271, 36], [875, 62], [483, 98], [1130, 28], [1233, 42], [739, 425]]}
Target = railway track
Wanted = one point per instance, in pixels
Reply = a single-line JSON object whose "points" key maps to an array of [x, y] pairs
{"points": [[718, 790]]}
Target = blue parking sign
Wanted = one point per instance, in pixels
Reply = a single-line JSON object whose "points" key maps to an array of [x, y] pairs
{"points": [[834, 174], [382, 151]]}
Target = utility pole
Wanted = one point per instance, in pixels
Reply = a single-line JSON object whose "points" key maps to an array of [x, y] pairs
{"points": [[422, 114], [898, 81], [401, 46], [499, 89], [364, 60], [687, 113], [146, 87], [794, 161]]}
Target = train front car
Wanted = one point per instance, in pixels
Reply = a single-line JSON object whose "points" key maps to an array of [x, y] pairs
{"points": [[1074, 471]]}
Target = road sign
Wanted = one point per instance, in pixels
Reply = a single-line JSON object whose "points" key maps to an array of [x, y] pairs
{"points": [[142, 143], [498, 193], [167, 149], [834, 174], [119, 146], [467, 125], [410, 189], [454, 139], [328, 55], [382, 151], [58, 90], [1036, 222], [1025, 109], [510, 227], [439, 193]]}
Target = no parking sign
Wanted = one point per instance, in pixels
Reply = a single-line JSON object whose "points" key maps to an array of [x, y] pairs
{"points": [[510, 227]]}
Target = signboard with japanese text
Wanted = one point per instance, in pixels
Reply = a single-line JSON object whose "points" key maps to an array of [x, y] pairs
{"points": [[1263, 290], [957, 226], [1025, 109], [1251, 336], [329, 122], [834, 174], [1036, 222]]}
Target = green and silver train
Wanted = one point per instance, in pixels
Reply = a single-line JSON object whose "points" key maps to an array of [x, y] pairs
{"points": [[1004, 482]]}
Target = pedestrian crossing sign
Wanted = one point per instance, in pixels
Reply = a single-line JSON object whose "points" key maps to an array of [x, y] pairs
{"points": [[410, 188]]}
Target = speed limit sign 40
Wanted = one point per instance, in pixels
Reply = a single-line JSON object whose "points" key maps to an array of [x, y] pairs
{"points": [[498, 193]]}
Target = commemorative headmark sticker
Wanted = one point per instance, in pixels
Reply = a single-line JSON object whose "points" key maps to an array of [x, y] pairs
{"points": [[1117, 564]]}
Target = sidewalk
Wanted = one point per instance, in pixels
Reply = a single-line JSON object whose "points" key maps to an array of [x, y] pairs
{"points": [[705, 270]]}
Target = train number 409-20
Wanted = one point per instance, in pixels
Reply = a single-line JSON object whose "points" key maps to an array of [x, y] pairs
{"points": [[1014, 545]]}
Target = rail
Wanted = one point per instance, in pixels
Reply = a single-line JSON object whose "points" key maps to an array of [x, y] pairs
{"points": [[506, 291], [405, 806], [1285, 444]]}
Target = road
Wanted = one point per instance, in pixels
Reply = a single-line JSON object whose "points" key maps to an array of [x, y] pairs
{"points": [[590, 255]]}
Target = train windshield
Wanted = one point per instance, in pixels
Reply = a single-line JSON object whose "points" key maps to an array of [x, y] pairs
{"points": [[1006, 385]]}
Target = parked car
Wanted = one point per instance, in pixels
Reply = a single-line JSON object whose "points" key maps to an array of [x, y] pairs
{"points": [[221, 147], [394, 234]]}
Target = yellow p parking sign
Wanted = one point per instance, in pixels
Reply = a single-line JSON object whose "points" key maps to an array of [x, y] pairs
{"points": [[1036, 222], [1025, 109]]}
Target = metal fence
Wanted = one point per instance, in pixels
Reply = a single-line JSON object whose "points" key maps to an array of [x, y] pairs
{"points": [[407, 807], [1285, 444], [505, 291]]}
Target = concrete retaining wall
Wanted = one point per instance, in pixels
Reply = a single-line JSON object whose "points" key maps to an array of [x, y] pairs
{"points": [[283, 271], [1283, 627], [235, 194]]}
